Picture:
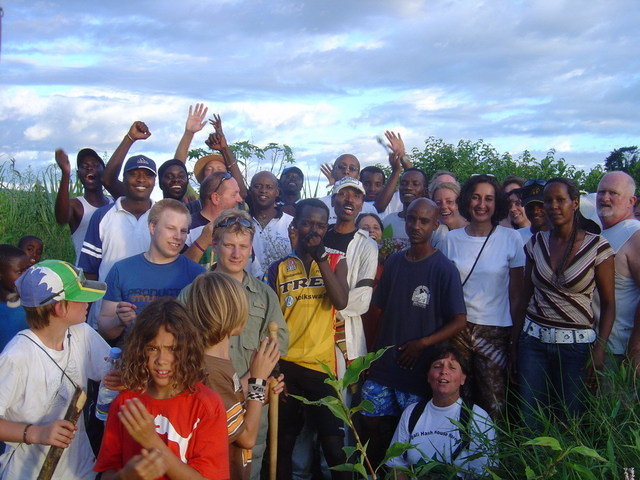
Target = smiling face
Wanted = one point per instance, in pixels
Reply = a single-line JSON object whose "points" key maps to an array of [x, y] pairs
{"points": [[615, 198], [233, 251], [558, 204], [371, 225], [169, 234], [90, 171], [291, 183], [445, 377], [174, 182], [264, 190], [412, 186], [517, 214], [536, 215], [160, 354], [347, 204], [447, 206], [139, 184], [482, 205]]}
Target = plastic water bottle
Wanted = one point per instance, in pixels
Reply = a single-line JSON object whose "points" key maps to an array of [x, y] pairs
{"points": [[105, 395]]}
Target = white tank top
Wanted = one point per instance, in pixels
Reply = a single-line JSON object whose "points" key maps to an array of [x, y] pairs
{"points": [[77, 237]]}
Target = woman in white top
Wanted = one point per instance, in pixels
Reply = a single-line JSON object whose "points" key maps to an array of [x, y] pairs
{"points": [[490, 259], [464, 448]]}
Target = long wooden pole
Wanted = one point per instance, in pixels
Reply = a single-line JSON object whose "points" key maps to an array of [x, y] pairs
{"points": [[273, 415], [53, 456]]}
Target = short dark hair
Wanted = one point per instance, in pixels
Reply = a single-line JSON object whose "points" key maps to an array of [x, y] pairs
{"points": [[311, 203], [28, 238], [8, 253], [443, 350], [464, 200], [513, 179], [373, 169]]}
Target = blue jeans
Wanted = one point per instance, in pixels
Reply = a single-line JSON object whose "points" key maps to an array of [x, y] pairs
{"points": [[551, 375]]}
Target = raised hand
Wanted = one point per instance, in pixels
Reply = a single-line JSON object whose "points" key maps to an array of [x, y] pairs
{"points": [[217, 140], [327, 170], [395, 143], [139, 131], [62, 159], [196, 118]]}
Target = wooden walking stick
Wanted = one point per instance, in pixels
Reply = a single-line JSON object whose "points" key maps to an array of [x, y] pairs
{"points": [[273, 415], [73, 413]]}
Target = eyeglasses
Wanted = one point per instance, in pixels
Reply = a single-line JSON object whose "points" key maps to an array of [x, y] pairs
{"points": [[232, 220], [540, 183], [223, 177]]}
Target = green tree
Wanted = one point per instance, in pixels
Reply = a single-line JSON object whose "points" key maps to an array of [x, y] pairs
{"points": [[626, 159]]}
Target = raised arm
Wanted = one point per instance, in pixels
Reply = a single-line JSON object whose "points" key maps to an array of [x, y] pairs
{"points": [[63, 209], [137, 131], [196, 120], [395, 160], [217, 141]]}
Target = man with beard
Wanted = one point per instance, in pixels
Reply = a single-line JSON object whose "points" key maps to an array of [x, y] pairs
{"points": [[77, 212], [271, 239], [422, 302], [615, 202], [291, 181]]}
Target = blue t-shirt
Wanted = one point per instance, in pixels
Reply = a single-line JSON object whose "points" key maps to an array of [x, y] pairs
{"points": [[139, 281], [417, 299], [12, 320]]}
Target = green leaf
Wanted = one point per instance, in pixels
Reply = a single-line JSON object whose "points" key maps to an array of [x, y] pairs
{"points": [[349, 450], [395, 450], [361, 470], [529, 472], [550, 442], [585, 473], [587, 452], [327, 370], [359, 365], [345, 467], [365, 405]]}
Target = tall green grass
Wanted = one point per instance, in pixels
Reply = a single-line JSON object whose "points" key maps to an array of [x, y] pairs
{"points": [[27, 208]]}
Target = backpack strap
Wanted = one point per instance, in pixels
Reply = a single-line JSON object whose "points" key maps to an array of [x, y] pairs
{"points": [[466, 409], [415, 414]]}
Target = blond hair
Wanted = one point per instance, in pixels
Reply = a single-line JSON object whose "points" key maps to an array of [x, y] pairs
{"points": [[218, 306], [167, 204], [219, 232]]}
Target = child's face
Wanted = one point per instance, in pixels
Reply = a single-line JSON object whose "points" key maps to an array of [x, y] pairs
{"points": [[10, 271], [160, 357], [76, 312], [33, 249]]}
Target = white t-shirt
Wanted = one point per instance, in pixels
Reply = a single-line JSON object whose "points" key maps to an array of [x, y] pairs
{"points": [[270, 243], [395, 205], [486, 293], [35, 391], [436, 437]]}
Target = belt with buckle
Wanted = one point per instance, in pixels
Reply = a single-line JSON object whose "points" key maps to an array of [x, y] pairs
{"points": [[559, 335]]}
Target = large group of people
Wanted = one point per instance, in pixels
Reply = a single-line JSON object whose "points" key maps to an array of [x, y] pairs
{"points": [[247, 291]]}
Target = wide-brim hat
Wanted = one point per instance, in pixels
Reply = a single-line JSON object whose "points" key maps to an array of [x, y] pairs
{"points": [[52, 281], [198, 169]]}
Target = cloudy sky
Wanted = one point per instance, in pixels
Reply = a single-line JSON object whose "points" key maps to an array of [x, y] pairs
{"points": [[325, 77]]}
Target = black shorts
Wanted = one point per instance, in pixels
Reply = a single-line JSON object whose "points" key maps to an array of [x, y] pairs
{"points": [[310, 384]]}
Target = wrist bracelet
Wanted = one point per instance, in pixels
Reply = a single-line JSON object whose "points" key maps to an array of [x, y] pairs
{"points": [[132, 140], [257, 389], [195, 242], [24, 434]]}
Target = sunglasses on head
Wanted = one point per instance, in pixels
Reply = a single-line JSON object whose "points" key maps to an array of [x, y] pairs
{"points": [[485, 174], [540, 183], [231, 220], [223, 177]]}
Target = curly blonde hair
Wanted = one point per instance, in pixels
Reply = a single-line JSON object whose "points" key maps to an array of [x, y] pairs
{"points": [[189, 351], [218, 306]]}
